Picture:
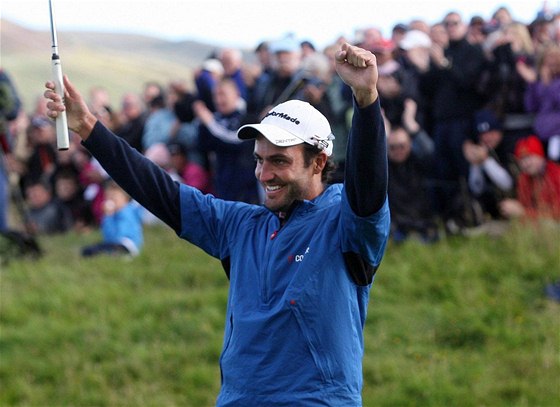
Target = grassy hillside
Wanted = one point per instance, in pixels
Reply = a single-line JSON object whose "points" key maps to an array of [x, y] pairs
{"points": [[118, 62], [460, 323], [117, 73]]}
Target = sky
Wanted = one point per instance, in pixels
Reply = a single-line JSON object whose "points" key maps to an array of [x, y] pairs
{"points": [[246, 23]]}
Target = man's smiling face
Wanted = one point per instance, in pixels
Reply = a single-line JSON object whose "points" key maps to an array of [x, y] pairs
{"points": [[283, 174]]}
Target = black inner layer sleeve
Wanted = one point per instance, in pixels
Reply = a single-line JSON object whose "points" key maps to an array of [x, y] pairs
{"points": [[143, 180], [366, 161]]}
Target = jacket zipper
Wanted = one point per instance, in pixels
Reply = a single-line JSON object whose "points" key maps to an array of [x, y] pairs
{"points": [[266, 277]]}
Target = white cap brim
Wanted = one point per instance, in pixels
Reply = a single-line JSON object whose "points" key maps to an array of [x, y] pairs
{"points": [[274, 134], [290, 123]]}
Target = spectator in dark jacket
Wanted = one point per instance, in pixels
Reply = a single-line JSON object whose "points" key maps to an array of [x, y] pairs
{"points": [[134, 118], [9, 107], [450, 83], [233, 163], [505, 87], [410, 154], [491, 164]]}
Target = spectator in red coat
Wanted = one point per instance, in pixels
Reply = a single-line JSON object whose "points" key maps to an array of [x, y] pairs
{"points": [[538, 185]]}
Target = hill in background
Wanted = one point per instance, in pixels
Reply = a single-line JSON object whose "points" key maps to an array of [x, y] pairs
{"points": [[117, 62]]}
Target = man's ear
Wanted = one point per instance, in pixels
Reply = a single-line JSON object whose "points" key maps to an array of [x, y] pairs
{"points": [[319, 163]]}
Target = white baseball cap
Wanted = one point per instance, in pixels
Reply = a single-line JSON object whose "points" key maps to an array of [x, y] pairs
{"points": [[213, 65], [415, 39], [291, 123]]}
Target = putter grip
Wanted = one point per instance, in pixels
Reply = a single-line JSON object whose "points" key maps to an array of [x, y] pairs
{"points": [[62, 140]]}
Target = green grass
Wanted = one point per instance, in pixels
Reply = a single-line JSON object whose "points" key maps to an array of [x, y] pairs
{"points": [[460, 323]]}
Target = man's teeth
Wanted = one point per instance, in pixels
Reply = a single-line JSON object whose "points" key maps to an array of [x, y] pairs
{"points": [[272, 187]]}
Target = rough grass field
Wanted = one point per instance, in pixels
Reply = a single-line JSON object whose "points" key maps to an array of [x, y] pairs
{"points": [[461, 323]]}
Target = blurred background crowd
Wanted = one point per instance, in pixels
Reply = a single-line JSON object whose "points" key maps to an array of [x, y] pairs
{"points": [[472, 111]]}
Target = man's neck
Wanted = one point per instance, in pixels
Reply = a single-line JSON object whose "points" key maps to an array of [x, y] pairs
{"points": [[283, 215]]}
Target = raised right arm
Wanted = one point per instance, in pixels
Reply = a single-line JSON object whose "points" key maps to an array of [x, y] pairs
{"points": [[143, 180]]}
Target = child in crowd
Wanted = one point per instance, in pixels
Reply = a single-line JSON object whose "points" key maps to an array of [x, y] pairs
{"points": [[70, 193], [121, 225], [189, 171], [46, 214]]}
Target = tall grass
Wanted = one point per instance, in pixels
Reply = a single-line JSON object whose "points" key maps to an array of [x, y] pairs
{"points": [[463, 322]]}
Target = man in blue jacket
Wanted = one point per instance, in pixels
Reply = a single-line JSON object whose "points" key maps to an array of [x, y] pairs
{"points": [[301, 266]]}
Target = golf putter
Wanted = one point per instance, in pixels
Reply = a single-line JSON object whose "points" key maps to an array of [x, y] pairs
{"points": [[62, 139]]}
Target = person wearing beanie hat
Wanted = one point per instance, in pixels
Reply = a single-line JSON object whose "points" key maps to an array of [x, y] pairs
{"points": [[538, 184], [491, 164], [301, 266], [530, 146]]}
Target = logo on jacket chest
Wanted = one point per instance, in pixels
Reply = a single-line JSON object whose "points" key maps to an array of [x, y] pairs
{"points": [[297, 258]]}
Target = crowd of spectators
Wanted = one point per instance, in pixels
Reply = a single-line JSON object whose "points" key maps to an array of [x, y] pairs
{"points": [[472, 112]]}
